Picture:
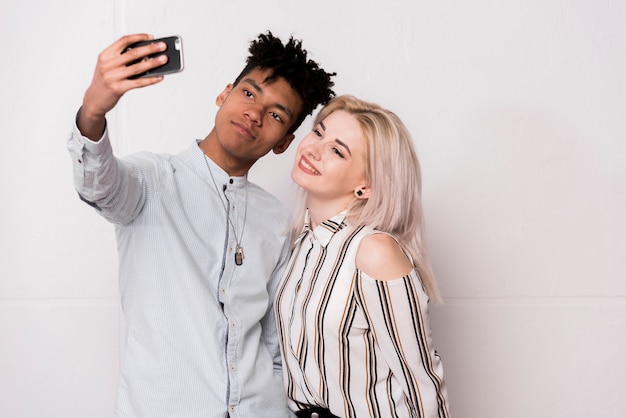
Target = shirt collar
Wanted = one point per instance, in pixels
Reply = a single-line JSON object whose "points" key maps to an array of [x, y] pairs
{"points": [[222, 179], [325, 230]]}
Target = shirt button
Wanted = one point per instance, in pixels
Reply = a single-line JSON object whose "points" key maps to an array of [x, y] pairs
{"points": [[231, 181]]}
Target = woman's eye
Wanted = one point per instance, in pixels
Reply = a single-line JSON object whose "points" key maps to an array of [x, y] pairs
{"points": [[336, 151], [317, 133]]}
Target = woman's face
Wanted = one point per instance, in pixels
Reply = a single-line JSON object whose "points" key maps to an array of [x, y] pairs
{"points": [[330, 160]]}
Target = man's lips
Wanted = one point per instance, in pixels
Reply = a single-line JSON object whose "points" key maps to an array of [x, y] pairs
{"points": [[243, 130], [306, 166]]}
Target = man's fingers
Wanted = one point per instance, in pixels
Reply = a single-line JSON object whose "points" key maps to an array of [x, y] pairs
{"points": [[140, 59], [137, 53], [132, 62], [121, 44], [146, 64], [145, 81]]}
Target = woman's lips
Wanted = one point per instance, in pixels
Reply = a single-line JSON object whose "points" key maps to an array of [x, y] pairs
{"points": [[306, 166]]}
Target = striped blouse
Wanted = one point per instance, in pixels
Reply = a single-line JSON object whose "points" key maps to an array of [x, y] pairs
{"points": [[357, 346]]}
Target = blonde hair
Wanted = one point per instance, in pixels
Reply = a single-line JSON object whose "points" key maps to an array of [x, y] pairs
{"points": [[393, 173]]}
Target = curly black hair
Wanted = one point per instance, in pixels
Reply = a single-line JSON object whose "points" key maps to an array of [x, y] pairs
{"points": [[289, 61]]}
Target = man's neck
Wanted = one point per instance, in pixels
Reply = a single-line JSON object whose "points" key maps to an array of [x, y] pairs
{"points": [[234, 167]]}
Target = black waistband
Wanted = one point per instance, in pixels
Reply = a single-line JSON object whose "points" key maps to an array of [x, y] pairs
{"points": [[315, 412]]}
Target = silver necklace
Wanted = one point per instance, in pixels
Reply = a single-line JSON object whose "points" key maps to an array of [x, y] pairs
{"points": [[239, 250]]}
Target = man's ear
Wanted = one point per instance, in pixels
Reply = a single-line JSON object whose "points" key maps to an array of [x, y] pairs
{"points": [[283, 144], [221, 98]]}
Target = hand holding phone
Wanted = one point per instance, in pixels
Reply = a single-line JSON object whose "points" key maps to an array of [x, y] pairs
{"points": [[109, 84], [173, 51]]}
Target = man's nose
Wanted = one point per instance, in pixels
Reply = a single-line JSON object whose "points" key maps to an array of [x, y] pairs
{"points": [[253, 113]]}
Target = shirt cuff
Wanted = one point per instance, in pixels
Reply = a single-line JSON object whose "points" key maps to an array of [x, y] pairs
{"points": [[95, 147]]}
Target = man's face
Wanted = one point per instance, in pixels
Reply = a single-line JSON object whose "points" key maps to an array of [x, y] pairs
{"points": [[255, 116]]}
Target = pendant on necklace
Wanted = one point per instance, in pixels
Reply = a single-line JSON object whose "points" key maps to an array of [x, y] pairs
{"points": [[239, 255]]}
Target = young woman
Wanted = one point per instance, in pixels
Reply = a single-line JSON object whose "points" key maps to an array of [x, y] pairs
{"points": [[352, 308]]}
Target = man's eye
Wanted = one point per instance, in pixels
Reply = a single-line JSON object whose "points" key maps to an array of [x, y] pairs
{"points": [[276, 116], [248, 93]]}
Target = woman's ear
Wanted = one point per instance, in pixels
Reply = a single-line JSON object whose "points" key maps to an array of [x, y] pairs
{"points": [[362, 193]]}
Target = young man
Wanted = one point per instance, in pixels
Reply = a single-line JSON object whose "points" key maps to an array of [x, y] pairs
{"points": [[201, 249]]}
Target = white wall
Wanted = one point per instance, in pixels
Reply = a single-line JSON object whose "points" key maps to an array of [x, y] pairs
{"points": [[517, 109]]}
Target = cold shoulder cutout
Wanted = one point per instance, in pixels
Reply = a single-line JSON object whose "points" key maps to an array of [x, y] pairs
{"points": [[380, 257]]}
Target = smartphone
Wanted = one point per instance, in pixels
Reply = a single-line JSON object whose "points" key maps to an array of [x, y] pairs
{"points": [[173, 50]]}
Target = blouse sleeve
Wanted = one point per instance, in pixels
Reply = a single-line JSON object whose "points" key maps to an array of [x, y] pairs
{"points": [[397, 314]]}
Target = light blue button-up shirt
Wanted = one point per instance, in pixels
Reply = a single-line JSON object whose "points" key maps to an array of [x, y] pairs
{"points": [[201, 334]]}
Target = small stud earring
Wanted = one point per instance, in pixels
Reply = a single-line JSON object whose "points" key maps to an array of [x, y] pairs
{"points": [[359, 193]]}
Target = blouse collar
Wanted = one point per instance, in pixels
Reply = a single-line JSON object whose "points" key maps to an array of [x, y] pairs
{"points": [[325, 230]]}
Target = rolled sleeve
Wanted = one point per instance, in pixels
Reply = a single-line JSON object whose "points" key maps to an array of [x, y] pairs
{"points": [[87, 159], [113, 187]]}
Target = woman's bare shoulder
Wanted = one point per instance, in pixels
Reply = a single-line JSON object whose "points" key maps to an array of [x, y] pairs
{"points": [[380, 257]]}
